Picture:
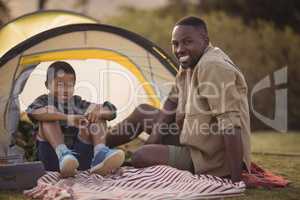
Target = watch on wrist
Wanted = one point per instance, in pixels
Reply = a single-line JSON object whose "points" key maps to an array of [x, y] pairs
{"points": [[112, 108]]}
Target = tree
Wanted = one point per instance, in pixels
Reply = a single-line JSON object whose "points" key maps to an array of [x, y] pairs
{"points": [[281, 12]]}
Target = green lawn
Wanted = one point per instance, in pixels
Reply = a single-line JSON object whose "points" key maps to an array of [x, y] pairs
{"points": [[282, 165], [278, 143], [277, 152]]}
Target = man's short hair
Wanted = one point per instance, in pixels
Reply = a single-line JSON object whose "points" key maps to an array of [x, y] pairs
{"points": [[59, 67], [193, 21]]}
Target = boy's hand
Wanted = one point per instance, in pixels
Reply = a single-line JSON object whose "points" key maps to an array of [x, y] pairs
{"points": [[99, 112], [94, 115], [79, 121]]}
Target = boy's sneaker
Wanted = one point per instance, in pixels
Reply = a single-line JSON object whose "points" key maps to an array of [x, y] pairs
{"points": [[68, 164], [107, 160]]}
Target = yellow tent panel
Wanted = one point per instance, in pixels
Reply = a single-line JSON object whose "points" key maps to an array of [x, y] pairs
{"points": [[32, 24]]}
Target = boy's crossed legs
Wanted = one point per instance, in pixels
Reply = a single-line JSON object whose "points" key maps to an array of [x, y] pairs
{"points": [[60, 156]]}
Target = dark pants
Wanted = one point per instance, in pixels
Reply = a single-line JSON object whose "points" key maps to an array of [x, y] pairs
{"points": [[46, 154]]}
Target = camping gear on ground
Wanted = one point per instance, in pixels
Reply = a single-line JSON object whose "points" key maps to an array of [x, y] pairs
{"points": [[20, 176], [260, 178]]}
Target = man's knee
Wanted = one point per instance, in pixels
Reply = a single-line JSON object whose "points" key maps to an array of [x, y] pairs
{"points": [[146, 109], [145, 106]]}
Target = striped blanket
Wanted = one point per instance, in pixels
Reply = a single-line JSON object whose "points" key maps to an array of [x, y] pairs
{"points": [[154, 183]]}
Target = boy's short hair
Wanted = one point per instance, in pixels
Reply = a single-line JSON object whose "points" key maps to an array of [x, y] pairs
{"points": [[59, 67], [193, 21]]}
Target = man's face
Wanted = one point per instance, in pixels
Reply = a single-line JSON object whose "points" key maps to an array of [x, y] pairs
{"points": [[62, 86], [188, 45]]}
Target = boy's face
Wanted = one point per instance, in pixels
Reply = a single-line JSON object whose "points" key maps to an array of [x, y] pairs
{"points": [[62, 86]]}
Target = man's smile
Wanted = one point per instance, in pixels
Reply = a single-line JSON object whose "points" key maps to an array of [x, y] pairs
{"points": [[184, 58]]}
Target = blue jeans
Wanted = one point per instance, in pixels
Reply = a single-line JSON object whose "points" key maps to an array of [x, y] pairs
{"points": [[46, 154]]}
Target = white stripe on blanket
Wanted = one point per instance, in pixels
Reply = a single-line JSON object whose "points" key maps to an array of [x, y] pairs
{"points": [[153, 183]]}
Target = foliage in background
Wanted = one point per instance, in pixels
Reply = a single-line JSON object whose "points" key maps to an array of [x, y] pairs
{"points": [[25, 139], [279, 12], [258, 49]]}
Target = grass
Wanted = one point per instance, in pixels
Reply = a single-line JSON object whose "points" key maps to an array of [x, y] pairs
{"points": [[277, 143], [277, 152], [280, 165], [10, 195]]}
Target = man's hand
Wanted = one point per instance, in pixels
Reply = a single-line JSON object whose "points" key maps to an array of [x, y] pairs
{"points": [[79, 121], [234, 152]]}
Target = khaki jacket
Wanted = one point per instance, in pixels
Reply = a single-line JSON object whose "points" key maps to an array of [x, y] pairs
{"points": [[211, 98]]}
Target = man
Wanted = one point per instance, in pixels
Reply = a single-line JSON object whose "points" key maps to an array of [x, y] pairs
{"points": [[208, 106]]}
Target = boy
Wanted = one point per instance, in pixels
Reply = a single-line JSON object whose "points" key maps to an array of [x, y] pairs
{"points": [[71, 131]]}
